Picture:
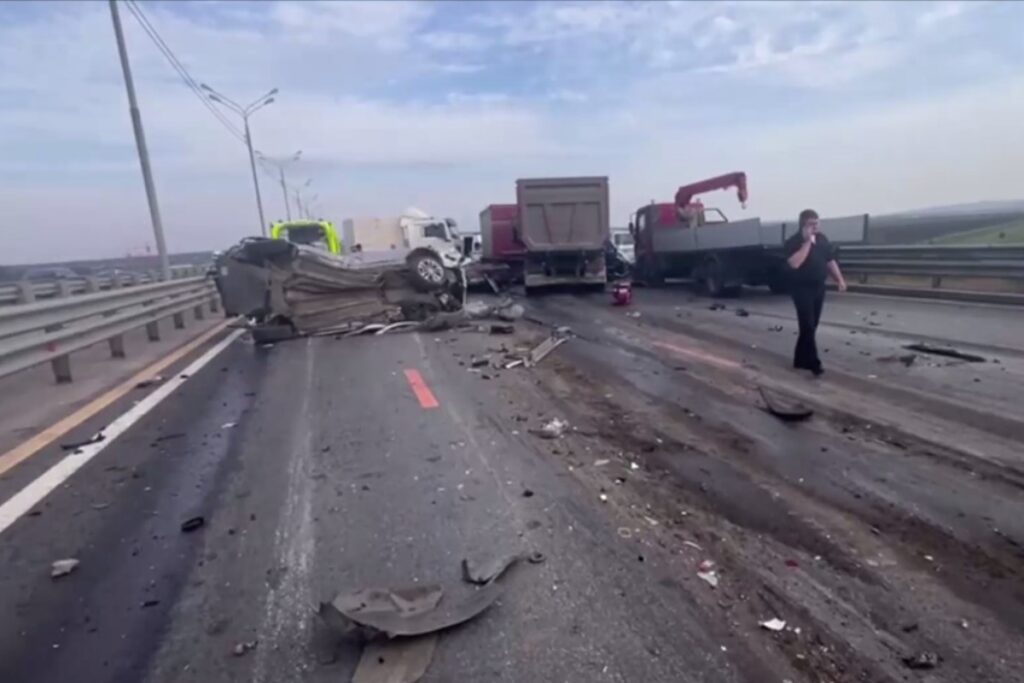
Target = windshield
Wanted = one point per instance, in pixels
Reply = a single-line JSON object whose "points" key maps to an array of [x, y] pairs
{"points": [[312, 234]]}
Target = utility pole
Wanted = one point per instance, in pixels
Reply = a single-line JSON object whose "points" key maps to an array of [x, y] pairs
{"points": [[140, 143]]}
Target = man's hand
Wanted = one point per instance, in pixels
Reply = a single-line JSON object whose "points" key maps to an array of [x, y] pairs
{"points": [[842, 285]]}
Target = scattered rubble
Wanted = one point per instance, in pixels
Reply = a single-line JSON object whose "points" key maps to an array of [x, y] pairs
{"points": [[946, 351], [402, 660], [922, 660], [907, 359], [157, 379], [63, 567], [193, 523], [716, 307], [783, 407], [772, 624], [75, 445], [742, 313], [243, 648], [552, 429]]}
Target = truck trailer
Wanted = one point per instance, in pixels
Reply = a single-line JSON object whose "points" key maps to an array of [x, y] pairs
{"points": [[564, 225]]}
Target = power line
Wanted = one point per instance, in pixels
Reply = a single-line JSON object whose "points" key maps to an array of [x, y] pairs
{"points": [[176, 64]]}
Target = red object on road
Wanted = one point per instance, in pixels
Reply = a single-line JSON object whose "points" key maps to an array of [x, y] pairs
{"points": [[622, 294]]}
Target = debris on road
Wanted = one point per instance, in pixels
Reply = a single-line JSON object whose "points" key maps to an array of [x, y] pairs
{"points": [[783, 407], [544, 349], [742, 313], [75, 445], [922, 660], [402, 660], [480, 362], [946, 351], [907, 359], [706, 572], [716, 307], [527, 493], [552, 429], [192, 523], [504, 328], [772, 624], [601, 463], [243, 648], [157, 379], [481, 573], [228, 425], [412, 611], [63, 567], [169, 437]]}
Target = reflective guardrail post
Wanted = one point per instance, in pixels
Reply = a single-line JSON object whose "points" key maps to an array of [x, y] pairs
{"points": [[153, 331]]}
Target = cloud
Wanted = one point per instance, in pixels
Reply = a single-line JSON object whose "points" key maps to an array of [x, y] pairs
{"points": [[845, 106]]}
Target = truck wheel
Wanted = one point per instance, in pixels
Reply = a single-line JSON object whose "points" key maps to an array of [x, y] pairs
{"points": [[426, 271], [714, 280]]}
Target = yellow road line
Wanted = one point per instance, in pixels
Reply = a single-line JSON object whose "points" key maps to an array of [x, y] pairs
{"points": [[28, 448]]}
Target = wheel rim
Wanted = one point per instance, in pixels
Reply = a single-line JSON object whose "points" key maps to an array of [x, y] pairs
{"points": [[430, 270]]}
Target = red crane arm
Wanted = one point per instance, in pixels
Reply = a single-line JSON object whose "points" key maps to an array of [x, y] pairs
{"points": [[685, 194]]}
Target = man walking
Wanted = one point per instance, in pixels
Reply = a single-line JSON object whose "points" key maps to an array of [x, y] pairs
{"points": [[811, 258]]}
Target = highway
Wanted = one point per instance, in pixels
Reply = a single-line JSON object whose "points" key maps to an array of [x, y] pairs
{"points": [[885, 530]]}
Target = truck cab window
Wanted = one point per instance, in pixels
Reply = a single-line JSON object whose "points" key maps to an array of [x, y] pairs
{"points": [[436, 230]]}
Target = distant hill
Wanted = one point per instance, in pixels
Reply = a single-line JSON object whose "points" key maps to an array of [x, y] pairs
{"points": [[984, 207], [934, 223]]}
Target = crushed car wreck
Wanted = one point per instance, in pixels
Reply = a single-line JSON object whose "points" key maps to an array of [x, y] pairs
{"points": [[288, 290]]}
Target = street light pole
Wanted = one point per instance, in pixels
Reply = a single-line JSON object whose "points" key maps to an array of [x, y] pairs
{"points": [[280, 164], [245, 113], [255, 180], [140, 144]]}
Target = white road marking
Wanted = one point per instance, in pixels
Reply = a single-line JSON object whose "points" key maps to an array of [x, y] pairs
{"points": [[31, 495]]}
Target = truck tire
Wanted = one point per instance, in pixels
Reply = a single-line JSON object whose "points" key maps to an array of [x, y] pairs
{"points": [[426, 271], [715, 283], [271, 333]]}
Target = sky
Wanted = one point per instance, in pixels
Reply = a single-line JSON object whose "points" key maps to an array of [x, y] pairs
{"points": [[849, 108]]}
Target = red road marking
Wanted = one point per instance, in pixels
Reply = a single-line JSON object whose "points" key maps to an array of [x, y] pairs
{"points": [[419, 387]]}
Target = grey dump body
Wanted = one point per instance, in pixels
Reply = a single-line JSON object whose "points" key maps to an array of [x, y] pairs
{"points": [[564, 223]]}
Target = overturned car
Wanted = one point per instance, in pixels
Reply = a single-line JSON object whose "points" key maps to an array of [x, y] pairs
{"points": [[287, 289]]}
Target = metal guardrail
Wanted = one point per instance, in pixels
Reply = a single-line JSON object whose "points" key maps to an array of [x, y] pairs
{"points": [[49, 331], [24, 292], [987, 271]]}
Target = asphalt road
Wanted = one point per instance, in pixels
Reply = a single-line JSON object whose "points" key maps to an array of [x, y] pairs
{"points": [[887, 527]]}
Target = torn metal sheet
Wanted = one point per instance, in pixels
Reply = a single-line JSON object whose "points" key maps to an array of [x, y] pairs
{"points": [[544, 349], [785, 408], [489, 570], [402, 660], [75, 445], [63, 567], [405, 612]]}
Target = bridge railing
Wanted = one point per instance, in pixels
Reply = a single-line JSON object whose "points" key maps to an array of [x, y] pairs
{"points": [[50, 330]]}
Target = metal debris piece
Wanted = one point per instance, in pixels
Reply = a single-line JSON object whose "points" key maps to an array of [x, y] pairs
{"points": [[542, 350], [772, 624], [946, 351], [75, 445], [501, 328], [706, 572], [393, 327], [193, 523], [514, 364], [692, 545], [481, 573], [716, 307], [228, 425], [156, 379], [742, 313], [244, 647], [783, 407], [479, 362], [405, 612], [601, 463], [922, 660], [402, 660], [63, 567]]}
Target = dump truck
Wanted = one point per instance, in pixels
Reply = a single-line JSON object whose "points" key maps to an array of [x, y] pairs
{"points": [[564, 225], [685, 240]]}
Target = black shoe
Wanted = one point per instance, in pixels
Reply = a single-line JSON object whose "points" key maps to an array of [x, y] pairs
{"points": [[817, 371]]}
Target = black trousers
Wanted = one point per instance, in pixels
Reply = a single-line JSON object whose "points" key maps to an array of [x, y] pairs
{"points": [[808, 299]]}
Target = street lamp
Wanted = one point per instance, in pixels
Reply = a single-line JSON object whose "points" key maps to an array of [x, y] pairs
{"points": [[245, 113], [280, 164], [298, 196]]}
